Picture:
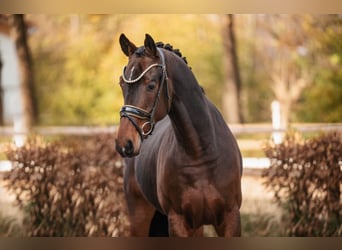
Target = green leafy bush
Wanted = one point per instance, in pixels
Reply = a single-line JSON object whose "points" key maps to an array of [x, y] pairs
{"points": [[72, 188], [306, 177]]}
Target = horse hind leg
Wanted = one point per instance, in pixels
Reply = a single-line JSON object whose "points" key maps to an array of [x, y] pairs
{"points": [[230, 226], [159, 226]]}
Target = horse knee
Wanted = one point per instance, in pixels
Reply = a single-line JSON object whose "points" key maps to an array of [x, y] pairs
{"points": [[231, 225], [179, 227]]}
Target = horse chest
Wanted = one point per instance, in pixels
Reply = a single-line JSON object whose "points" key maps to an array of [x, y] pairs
{"points": [[189, 190], [198, 201]]}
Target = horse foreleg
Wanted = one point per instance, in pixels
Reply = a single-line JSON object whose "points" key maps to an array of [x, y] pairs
{"points": [[231, 225], [140, 213], [178, 226]]}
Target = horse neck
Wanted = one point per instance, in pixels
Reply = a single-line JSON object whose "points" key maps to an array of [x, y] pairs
{"points": [[190, 114]]}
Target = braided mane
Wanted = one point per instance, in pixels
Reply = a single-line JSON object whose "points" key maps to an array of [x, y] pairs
{"points": [[140, 51], [169, 47]]}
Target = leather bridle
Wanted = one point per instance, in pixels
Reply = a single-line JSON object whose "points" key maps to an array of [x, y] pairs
{"points": [[132, 112]]}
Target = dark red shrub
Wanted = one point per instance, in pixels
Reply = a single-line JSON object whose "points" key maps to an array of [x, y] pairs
{"points": [[70, 187], [306, 177]]}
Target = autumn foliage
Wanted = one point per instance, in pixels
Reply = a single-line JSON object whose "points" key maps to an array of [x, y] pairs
{"points": [[72, 188], [306, 177]]}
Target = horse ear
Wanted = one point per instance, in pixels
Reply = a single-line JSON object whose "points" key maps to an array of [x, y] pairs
{"points": [[126, 45], [150, 45]]}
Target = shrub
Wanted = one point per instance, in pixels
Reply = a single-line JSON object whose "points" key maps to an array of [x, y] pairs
{"points": [[71, 187], [306, 177]]}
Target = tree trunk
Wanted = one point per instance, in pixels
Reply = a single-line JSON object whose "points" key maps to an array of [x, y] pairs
{"points": [[19, 36], [231, 96], [287, 87]]}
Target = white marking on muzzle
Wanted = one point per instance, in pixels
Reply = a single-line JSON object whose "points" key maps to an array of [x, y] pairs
{"points": [[131, 74]]}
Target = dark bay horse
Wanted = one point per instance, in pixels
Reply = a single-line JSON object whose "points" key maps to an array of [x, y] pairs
{"points": [[182, 164]]}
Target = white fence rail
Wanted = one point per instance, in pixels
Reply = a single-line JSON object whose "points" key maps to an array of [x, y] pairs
{"points": [[248, 162], [267, 128], [236, 129]]}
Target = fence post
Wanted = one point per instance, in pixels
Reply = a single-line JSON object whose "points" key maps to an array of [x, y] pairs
{"points": [[20, 131], [277, 135]]}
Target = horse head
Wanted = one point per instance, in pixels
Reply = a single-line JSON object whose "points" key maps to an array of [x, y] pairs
{"points": [[143, 81]]}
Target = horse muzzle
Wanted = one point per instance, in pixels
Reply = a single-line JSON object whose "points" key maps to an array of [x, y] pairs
{"points": [[127, 150], [128, 141]]}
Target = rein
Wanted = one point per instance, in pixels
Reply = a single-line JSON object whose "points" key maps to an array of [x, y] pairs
{"points": [[131, 112]]}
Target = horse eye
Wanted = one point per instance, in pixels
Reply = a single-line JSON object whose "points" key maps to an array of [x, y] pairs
{"points": [[151, 86]]}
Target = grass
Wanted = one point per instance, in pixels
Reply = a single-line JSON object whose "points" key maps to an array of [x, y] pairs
{"points": [[10, 215], [260, 216], [258, 153], [261, 225], [10, 226]]}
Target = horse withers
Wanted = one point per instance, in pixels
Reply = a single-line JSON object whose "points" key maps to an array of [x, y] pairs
{"points": [[182, 164]]}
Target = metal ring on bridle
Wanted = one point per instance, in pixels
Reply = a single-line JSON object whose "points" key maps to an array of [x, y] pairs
{"points": [[149, 131]]}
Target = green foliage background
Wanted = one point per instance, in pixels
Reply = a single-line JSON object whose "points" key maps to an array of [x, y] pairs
{"points": [[78, 61], [77, 71], [322, 101]]}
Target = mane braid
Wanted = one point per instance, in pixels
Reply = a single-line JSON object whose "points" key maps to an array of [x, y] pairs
{"points": [[169, 47]]}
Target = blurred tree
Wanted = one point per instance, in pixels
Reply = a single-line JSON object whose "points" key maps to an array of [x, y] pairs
{"points": [[255, 93], [302, 54], [78, 62], [74, 66], [231, 97], [287, 40], [322, 101], [19, 35], [1, 107]]}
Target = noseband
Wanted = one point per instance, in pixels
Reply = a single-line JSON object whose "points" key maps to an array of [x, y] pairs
{"points": [[131, 112]]}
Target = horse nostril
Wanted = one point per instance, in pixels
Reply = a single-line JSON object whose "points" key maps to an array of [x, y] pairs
{"points": [[129, 148], [125, 151]]}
